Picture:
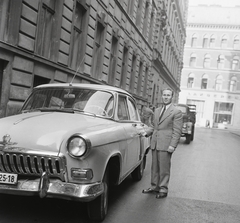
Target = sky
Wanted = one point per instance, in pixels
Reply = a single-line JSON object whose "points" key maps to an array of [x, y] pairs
{"points": [[230, 3]]}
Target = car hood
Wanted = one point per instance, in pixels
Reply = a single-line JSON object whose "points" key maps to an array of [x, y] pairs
{"points": [[46, 131]]}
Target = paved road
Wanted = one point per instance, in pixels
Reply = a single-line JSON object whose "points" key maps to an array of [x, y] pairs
{"points": [[204, 188]]}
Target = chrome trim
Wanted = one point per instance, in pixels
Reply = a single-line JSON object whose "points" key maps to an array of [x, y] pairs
{"points": [[54, 188], [30, 164], [86, 140]]}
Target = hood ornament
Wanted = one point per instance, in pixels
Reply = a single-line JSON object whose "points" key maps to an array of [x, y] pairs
{"points": [[6, 141]]}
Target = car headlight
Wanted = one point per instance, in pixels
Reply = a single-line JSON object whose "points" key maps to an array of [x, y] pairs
{"points": [[78, 146]]}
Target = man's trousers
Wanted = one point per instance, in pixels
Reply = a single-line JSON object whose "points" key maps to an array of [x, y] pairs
{"points": [[160, 171]]}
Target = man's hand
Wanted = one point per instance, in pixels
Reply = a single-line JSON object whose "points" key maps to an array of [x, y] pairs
{"points": [[171, 149]]}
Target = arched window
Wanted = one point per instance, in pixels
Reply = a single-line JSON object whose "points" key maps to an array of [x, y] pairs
{"points": [[220, 62], [204, 81], [218, 83], [190, 80], [193, 59], [233, 84], [224, 42], [236, 42], [194, 40], [235, 63], [207, 60], [205, 41], [212, 41]]}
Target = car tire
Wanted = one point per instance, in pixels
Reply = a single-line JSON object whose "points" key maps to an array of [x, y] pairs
{"points": [[188, 138], [138, 172], [192, 136], [97, 209]]}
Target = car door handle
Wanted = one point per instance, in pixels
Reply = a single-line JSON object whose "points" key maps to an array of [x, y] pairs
{"points": [[134, 124]]}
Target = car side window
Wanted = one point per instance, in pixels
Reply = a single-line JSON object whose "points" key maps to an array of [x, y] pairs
{"points": [[122, 111], [132, 111]]}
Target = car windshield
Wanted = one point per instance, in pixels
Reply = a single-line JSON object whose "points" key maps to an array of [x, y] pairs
{"points": [[71, 99]]}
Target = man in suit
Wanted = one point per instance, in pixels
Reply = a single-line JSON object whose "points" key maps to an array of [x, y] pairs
{"points": [[167, 128]]}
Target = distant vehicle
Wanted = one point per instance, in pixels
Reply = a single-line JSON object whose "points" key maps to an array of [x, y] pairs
{"points": [[72, 141], [189, 120]]}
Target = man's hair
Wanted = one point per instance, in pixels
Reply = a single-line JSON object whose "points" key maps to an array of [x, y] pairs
{"points": [[169, 89]]}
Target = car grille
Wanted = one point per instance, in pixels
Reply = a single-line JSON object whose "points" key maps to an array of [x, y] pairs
{"points": [[35, 165]]}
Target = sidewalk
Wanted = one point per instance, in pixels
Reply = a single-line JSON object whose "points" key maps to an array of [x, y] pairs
{"points": [[235, 131]]}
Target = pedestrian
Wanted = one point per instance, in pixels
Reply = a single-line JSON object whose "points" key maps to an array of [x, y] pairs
{"points": [[147, 115], [167, 128]]}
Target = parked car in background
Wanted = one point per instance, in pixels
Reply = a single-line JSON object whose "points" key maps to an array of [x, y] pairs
{"points": [[72, 141], [189, 119]]}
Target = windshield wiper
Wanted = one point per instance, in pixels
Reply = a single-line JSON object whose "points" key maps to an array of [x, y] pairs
{"points": [[82, 111]]}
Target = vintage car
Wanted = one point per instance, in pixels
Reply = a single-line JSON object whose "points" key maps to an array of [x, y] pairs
{"points": [[189, 119], [72, 141]]}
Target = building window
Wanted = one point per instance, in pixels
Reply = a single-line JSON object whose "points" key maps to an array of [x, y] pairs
{"points": [[212, 42], [204, 81], [193, 59], [133, 72], [139, 13], [235, 63], [190, 81], [194, 40], [223, 112], [207, 60], [205, 41], [78, 41], [145, 82], [45, 29], [150, 28], [224, 42], [130, 7], [218, 83], [236, 43], [113, 61], [124, 68], [98, 51], [145, 22], [220, 62], [38, 80], [233, 84], [140, 73]]}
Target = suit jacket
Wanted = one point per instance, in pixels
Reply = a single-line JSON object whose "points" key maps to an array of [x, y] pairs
{"points": [[168, 131]]}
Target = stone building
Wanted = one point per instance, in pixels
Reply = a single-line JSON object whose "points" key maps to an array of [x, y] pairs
{"points": [[211, 73], [168, 47], [105, 42]]}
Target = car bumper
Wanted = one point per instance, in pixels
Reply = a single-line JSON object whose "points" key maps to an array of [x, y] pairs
{"points": [[54, 188]]}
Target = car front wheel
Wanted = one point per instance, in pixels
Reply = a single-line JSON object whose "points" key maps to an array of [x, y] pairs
{"points": [[97, 209]]}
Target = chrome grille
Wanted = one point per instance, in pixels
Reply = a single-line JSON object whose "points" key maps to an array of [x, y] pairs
{"points": [[34, 165]]}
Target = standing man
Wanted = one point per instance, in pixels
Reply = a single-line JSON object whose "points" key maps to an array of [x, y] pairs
{"points": [[167, 130]]}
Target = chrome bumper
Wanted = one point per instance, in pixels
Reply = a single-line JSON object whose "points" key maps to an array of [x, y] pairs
{"points": [[54, 188]]}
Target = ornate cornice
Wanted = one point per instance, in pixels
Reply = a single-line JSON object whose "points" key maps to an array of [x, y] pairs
{"points": [[212, 26]]}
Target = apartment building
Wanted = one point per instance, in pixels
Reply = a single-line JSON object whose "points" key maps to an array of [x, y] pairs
{"points": [[105, 42], [168, 47], [211, 73]]}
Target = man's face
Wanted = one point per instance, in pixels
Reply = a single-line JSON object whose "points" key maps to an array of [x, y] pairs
{"points": [[167, 97]]}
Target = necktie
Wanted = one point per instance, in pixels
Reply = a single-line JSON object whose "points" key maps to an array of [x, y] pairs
{"points": [[163, 110]]}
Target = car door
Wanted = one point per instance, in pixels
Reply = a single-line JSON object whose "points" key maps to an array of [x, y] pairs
{"points": [[131, 155]]}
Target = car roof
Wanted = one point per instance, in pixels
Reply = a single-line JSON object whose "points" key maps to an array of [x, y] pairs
{"points": [[183, 105], [84, 85]]}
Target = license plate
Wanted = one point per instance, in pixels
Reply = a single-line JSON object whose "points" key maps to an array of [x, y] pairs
{"points": [[8, 178]]}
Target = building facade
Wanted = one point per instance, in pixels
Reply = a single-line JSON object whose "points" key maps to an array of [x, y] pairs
{"points": [[168, 47], [211, 73], [84, 41]]}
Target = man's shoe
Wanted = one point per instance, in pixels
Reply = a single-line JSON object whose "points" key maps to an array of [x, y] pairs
{"points": [[161, 195], [149, 190]]}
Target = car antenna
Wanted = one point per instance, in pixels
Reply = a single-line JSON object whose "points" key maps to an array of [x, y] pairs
{"points": [[70, 84]]}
